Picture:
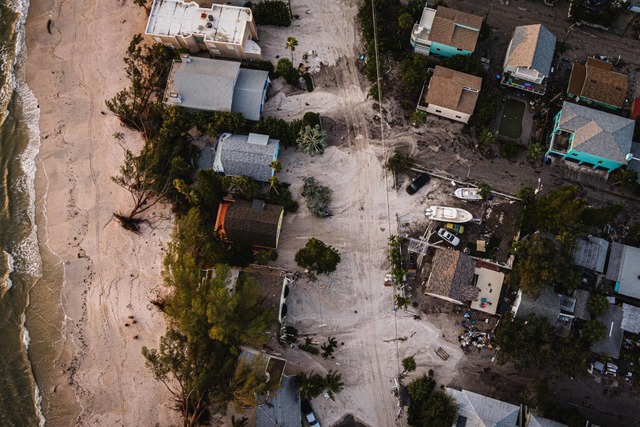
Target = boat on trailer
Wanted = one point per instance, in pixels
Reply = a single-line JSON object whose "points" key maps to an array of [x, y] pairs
{"points": [[447, 214], [471, 194]]}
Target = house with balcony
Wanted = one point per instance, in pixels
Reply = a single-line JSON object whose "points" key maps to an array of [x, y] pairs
{"points": [[446, 32], [206, 84], [222, 30], [529, 56], [450, 94], [595, 83], [592, 137]]}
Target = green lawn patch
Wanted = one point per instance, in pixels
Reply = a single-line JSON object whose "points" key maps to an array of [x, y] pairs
{"points": [[511, 122]]}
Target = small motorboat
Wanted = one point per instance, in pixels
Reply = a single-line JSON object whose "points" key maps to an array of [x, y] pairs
{"points": [[467, 194], [446, 214]]}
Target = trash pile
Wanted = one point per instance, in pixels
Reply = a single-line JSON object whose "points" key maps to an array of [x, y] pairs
{"points": [[630, 344], [472, 338]]}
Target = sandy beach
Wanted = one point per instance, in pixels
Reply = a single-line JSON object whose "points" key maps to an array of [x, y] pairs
{"points": [[107, 275]]}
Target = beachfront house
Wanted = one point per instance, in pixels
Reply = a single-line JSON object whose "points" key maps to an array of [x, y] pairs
{"points": [[445, 32], [595, 83], [585, 135], [529, 56], [215, 85], [246, 155], [281, 407], [450, 94], [255, 223], [222, 30]]}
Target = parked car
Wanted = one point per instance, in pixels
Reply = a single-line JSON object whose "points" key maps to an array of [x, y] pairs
{"points": [[308, 414], [450, 238], [456, 228], [418, 183]]}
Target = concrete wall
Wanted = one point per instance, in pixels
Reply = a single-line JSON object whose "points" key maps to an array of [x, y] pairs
{"points": [[448, 113], [446, 51]]}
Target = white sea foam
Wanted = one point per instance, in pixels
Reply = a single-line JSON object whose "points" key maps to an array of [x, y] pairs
{"points": [[9, 265]]}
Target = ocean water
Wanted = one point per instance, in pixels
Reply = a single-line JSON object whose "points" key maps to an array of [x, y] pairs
{"points": [[20, 263]]}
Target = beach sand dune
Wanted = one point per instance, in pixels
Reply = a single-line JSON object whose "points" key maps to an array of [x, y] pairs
{"points": [[110, 275]]}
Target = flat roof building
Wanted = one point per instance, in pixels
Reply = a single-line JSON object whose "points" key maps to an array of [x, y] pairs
{"points": [[222, 30]]}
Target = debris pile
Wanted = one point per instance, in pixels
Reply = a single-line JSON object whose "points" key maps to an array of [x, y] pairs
{"points": [[472, 338]]}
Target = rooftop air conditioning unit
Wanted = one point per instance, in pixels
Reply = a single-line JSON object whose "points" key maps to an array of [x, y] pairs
{"points": [[185, 57], [175, 97], [210, 17]]}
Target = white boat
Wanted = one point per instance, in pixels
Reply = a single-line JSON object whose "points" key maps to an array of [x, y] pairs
{"points": [[467, 194], [445, 214]]}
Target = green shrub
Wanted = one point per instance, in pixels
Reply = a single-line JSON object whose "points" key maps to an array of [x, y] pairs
{"points": [[318, 197], [308, 81], [256, 64], [286, 70], [509, 149], [311, 119], [272, 12]]}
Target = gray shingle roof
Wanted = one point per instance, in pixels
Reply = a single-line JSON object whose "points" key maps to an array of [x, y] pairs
{"points": [[249, 93], [479, 410], [594, 132], [610, 345], [283, 406], [202, 83], [591, 254], [630, 318], [547, 306], [532, 46], [238, 155]]}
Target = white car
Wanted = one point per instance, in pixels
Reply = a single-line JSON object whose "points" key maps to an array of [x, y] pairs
{"points": [[448, 237]]}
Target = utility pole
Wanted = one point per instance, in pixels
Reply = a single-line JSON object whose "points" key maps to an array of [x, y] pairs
{"points": [[566, 36]]}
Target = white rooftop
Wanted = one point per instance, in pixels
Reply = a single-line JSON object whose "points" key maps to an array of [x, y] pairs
{"points": [[221, 23], [490, 285]]}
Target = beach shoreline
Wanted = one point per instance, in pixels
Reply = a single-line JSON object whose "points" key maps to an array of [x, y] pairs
{"points": [[98, 279]]}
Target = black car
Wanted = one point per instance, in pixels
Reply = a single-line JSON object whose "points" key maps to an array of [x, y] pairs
{"points": [[418, 183]]}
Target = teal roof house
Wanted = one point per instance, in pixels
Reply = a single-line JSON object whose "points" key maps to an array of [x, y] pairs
{"points": [[588, 136], [445, 32], [529, 56]]}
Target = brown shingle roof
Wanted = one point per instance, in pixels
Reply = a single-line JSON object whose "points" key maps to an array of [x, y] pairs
{"points": [[602, 84], [452, 276], [448, 28], [446, 89], [243, 223]]}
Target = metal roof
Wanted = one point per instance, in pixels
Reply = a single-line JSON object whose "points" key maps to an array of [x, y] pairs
{"points": [[236, 155], [202, 83], [547, 306], [249, 93], [624, 269], [591, 253], [630, 318]]}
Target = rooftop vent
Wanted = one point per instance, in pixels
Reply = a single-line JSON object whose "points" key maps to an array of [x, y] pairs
{"points": [[175, 97], [185, 57], [209, 24], [258, 139], [210, 17], [257, 206]]}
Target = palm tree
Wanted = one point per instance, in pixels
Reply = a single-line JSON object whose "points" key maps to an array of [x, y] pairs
{"points": [[624, 178], [274, 182], [312, 140], [310, 386], [291, 45], [333, 383]]}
